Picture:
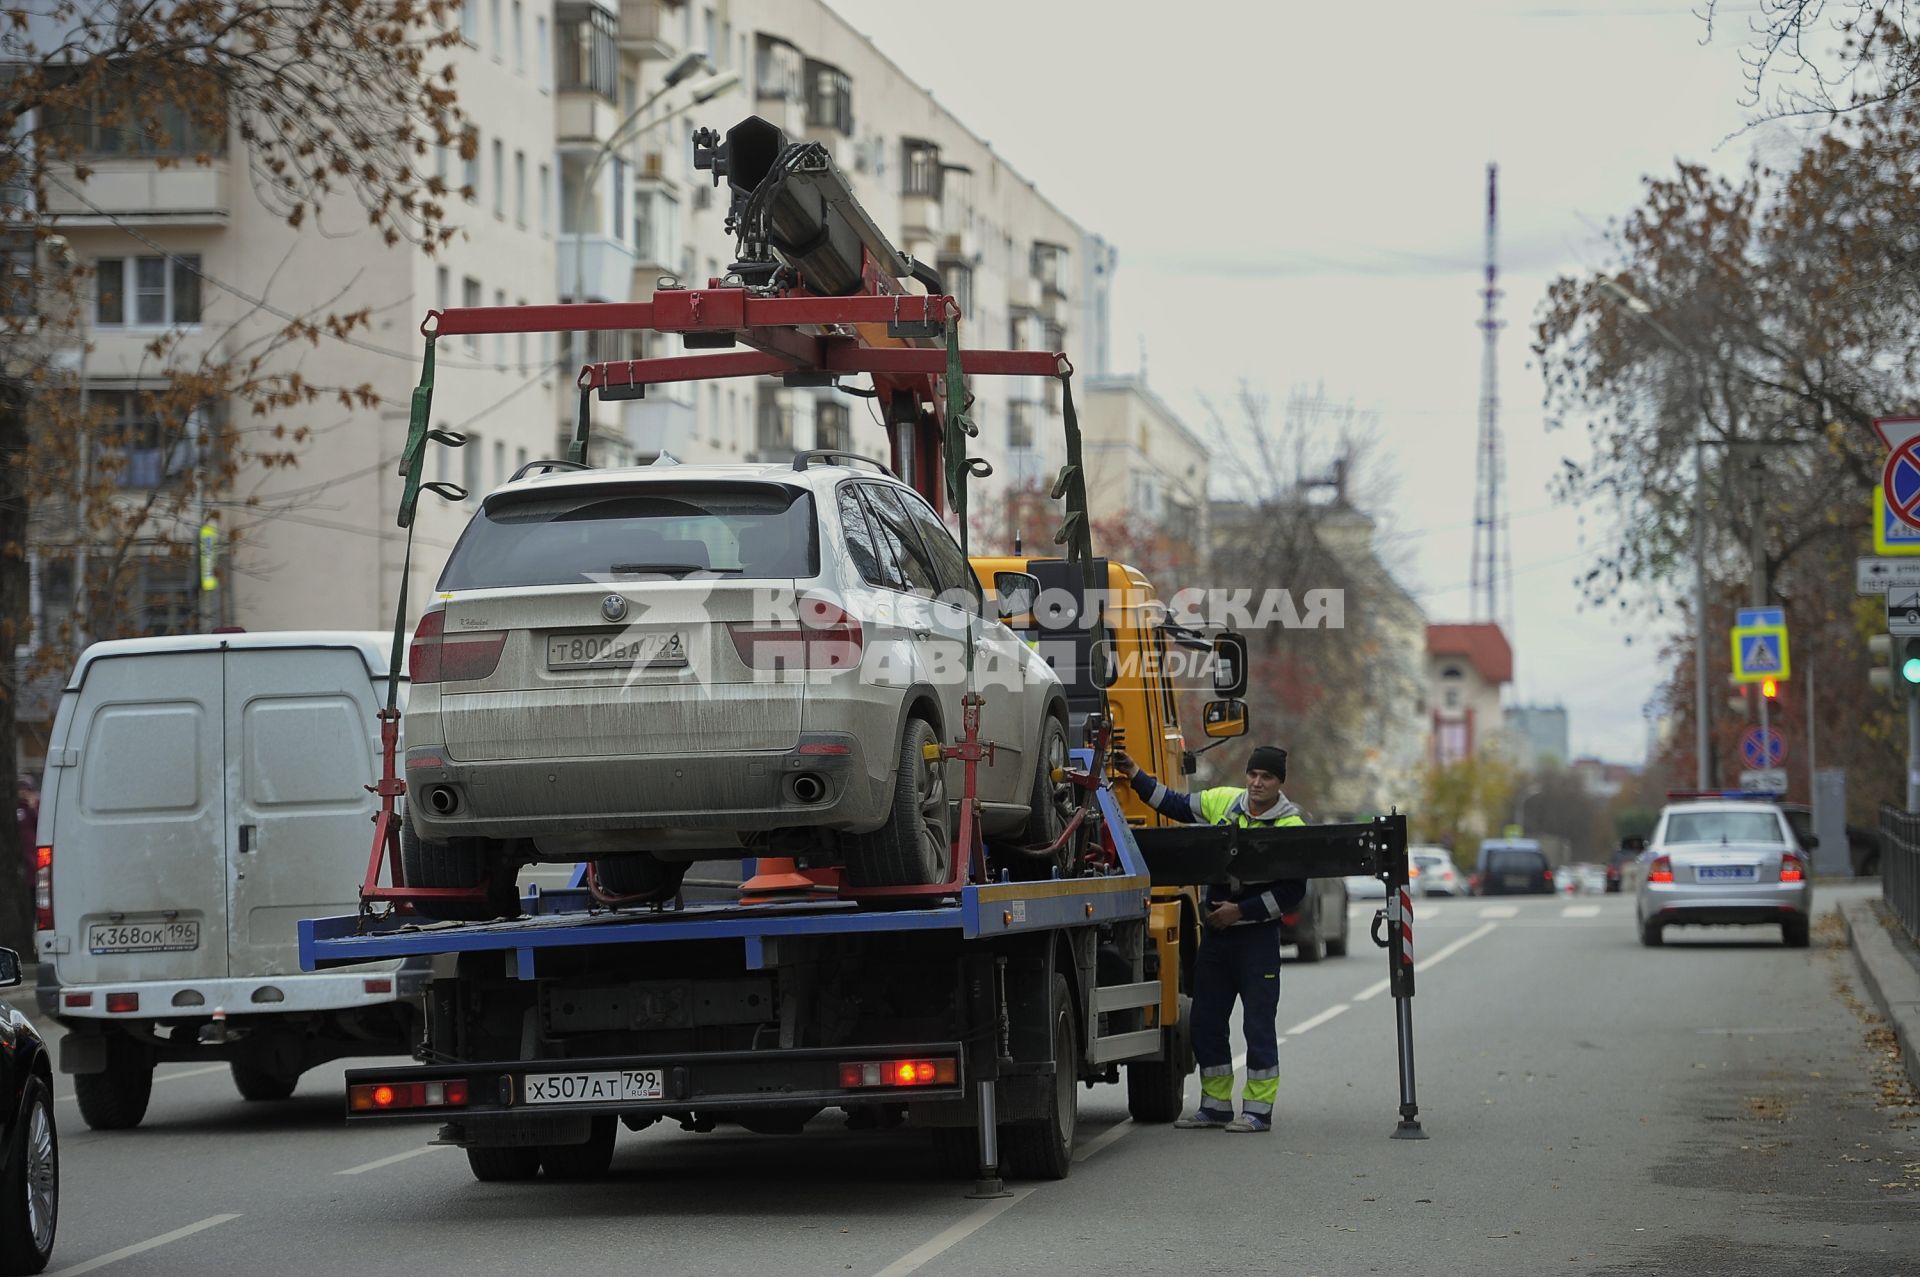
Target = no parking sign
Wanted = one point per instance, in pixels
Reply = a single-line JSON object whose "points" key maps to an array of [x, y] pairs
{"points": [[1901, 477]]}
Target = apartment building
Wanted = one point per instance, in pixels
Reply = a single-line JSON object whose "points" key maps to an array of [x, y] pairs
{"points": [[1147, 478], [580, 188]]}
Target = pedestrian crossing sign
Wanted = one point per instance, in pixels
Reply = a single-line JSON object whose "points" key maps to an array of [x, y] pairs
{"points": [[1760, 653]]}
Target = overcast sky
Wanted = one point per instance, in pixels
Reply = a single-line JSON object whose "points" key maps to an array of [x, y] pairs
{"points": [[1297, 193]]}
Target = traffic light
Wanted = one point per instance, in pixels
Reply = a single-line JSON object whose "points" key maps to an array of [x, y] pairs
{"points": [[1770, 688], [1910, 661], [1880, 646], [1901, 657]]}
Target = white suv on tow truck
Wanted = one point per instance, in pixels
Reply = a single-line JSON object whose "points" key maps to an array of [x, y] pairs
{"points": [[643, 667]]}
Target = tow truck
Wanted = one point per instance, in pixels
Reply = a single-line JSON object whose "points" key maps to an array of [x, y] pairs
{"points": [[971, 1009]]}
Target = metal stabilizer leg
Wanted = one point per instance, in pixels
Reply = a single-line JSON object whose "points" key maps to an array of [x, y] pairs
{"points": [[1409, 1127], [988, 1184]]}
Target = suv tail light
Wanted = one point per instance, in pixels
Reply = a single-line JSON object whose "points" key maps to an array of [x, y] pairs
{"points": [[824, 638], [1792, 868], [435, 658], [43, 888], [1661, 870]]}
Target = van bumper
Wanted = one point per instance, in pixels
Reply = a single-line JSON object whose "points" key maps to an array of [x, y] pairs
{"points": [[297, 992]]}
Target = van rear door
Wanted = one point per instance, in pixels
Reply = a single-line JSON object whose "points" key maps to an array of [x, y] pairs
{"points": [[303, 738], [139, 829]]}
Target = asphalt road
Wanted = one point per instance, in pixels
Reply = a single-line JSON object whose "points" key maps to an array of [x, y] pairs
{"points": [[1714, 1106]]}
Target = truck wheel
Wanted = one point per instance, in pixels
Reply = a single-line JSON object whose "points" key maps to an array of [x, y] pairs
{"points": [[493, 1165], [582, 1161], [115, 1099], [456, 864], [1044, 1149], [915, 847], [256, 1083], [641, 874], [1050, 804], [30, 1184], [1157, 1089]]}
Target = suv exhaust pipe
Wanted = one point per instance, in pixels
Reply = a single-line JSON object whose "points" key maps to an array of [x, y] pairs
{"points": [[808, 788], [443, 800]]}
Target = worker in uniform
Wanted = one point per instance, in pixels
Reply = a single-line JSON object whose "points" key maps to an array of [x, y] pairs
{"points": [[1240, 946]]}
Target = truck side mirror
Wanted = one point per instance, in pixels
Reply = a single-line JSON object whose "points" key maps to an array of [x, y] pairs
{"points": [[9, 968], [1224, 719], [1014, 594], [1103, 663], [1230, 667]]}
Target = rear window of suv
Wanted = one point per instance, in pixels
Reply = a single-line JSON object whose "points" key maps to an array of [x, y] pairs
{"points": [[1722, 826], [1515, 862], [736, 531]]}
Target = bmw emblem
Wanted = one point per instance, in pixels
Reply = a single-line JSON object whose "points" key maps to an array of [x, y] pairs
{"points": [[613, 607]]}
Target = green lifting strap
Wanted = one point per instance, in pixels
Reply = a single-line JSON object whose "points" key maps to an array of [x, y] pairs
{"points": [[959, 426], [1076, 532], [414, 454]]}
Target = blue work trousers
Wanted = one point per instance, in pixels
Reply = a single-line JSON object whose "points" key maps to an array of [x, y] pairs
{"points": [[1240, 963]]}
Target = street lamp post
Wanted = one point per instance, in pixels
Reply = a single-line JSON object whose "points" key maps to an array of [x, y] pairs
{"points": [[625, 132]]}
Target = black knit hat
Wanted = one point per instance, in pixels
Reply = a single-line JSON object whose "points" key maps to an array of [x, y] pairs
{"points": [[1268, 758]]}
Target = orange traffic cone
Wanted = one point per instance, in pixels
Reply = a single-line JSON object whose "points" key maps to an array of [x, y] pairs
{"points": [[774, 878]]}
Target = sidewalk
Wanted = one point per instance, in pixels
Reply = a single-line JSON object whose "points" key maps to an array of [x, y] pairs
{"points": [[1891, 967]]}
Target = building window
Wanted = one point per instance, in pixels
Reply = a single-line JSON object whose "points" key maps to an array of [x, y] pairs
{"points": [[493, 13], [442, 288], [139, 445], [920, 172], [470, 164], [957, 279], [542, 54], [520, 188], [519, 38], [124, 116], [147, 292], [655, 219], [832, 426], [499, 178], [471, 296], [829, 98], [1047, 263], [157, 591], [621, 182], [470, 22], [16, 277], [1020, 415], [500, 339], [589, 56], [779, 70], [470, 476], [546, 198]]}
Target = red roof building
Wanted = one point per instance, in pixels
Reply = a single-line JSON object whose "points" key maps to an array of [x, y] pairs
{"points": [[1467, 665]]}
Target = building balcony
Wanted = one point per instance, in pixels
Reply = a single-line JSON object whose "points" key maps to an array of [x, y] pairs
{"points": [[595, 268], [920, 217], [645, 30], [1023, 293], [584, 118], [139, 192], [960, 246]]}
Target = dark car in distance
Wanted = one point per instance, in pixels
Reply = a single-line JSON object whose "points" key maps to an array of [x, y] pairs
{"points": [[1625, 854], [29, 1143], [1512, 867], [1863, 848]]}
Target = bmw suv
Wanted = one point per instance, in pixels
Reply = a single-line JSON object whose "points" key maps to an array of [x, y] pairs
{"points": [[650, 666]]}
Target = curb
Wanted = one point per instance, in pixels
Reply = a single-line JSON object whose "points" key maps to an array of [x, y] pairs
{"points": [[1891, 976]]}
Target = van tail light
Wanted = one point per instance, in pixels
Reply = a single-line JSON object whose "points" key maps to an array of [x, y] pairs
{"points": [[43, 888], [433, 657], [824, 638], [865, 1073], [1792, 868], [1661, 870]]}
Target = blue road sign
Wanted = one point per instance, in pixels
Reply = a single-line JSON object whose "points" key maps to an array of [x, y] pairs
{"points": [[1763, 749], [1759, 653], [1754, 616]]}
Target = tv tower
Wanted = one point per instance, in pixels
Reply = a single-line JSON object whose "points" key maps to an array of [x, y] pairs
{"points": [[1492, 551]]}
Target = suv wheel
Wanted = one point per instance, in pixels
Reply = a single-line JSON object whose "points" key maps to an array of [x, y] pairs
{"points": [[640, 874], [1051, 802], [915, 847], [460, 862]]}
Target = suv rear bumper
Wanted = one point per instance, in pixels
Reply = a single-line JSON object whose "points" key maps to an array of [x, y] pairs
{"points": [[550, 799]]}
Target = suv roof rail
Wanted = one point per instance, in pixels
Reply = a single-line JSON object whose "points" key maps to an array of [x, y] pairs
{"points": [[804, 459], [547, 466]]}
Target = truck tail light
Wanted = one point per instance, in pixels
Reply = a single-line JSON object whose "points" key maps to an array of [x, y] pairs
{"points": [[1661, 870], [1792, 868], [385, 1097], [834, 645], [43, 888], [879, 1073], [433, 657]]}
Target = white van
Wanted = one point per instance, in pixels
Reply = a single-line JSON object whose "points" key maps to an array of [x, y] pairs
{"points": [[203, 793]]}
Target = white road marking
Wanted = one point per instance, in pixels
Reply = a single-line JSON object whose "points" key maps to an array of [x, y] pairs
{"points": [[1432, 960], [140, 1248], [1580, 911], [389, 1161], [1315, 1021], [1113, 1133], [170, 1077], [941, 1242], [1499, 911]]}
